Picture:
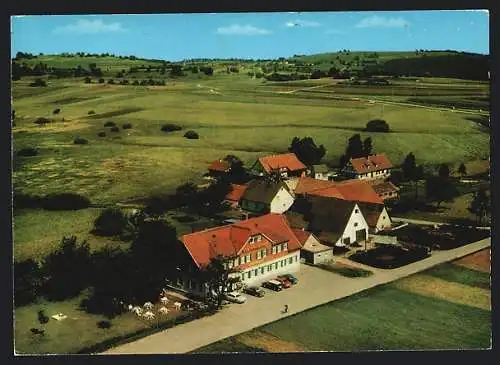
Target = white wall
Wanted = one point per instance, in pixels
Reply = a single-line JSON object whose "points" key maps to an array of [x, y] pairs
{"points": [[350, 230], [281, 202], [256, 280], [384, 221]]}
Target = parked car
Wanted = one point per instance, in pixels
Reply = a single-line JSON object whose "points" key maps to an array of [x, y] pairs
{"points": [[235, 297], [255, 291], [286, 284], [273, 285], [291, 278]]}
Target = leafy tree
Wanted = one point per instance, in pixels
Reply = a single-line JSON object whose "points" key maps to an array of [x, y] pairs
{"points": [[66, 269], [377, 125], [367, 146], [411, 171], [191, 135], [28, 280], [354, 147], [101, 80], [111, 222], [218, 278], [213, 196], [186, 194], [440, 189], [480, 205], [237, 173], [111, 81], [42, 317], [306, 150], [444, 171], [462, 170], [176, 70], [87, 80], [38, 83]]}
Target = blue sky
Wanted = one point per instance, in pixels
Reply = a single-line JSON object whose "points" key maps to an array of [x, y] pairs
{"points": [[250, 35]]}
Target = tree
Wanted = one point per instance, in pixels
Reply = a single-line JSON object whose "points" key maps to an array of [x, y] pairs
{"points": [[66, 269], [440, 189], [237, 173], [186, 194], [155, 254], [38, 83], [101, 80], [28, 281], [412, 172], [354, 147], [367, 146], [213, 196], [444, 171], [306, 150], [377, 125], [480, 205], [176, 70], [462, 170], [111, 222], [87, 80], [218, 278]]}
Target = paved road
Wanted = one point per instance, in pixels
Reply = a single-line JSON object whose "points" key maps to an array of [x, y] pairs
{"points": [[316, 287]]}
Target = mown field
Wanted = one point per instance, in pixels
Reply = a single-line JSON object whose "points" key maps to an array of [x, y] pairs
{"points": [[232, 113], [447, 307]]}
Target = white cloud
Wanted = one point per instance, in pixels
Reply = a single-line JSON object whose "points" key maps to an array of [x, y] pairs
{"points": [[302, 23], [377, 21], [84, 26], [236, 29]]}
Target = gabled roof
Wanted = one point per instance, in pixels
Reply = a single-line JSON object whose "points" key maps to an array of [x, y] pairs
{"points": [[371, 163], [354, 189], [371, 212], [285, 160], [236, 192], [326, 217], [262, 191], [230, 240], [385, 187], [311, 246], [219, 165]]}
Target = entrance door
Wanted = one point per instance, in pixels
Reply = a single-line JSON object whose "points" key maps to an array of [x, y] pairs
{"points": [[361, 235]]}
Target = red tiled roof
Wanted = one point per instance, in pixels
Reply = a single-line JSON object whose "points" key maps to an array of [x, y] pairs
{"points": [[385, 187], [230, 240], [236, 192], [219, 165], [353, 190], [358, 190], [286, 160], [301, 235], [371, 163]]}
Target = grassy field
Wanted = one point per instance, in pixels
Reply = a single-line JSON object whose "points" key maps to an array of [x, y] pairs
{"points": [[447, 307]]}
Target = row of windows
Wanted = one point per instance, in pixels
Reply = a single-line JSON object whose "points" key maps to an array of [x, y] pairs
{"points": [[260, 254], [280, 247], [269, 268]]}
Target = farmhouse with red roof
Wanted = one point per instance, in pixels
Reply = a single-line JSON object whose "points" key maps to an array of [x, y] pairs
{"points": [[287, 164], [255, 249], [375, 167]]}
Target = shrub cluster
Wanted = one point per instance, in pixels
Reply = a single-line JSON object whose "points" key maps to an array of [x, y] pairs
{"points": [[28, 151], [377, 125], [170, 127], [80, 140], [114, 129], [101, 134], [65, 201], [191, 135], [42, 121], [109, 123], [127, 125]]}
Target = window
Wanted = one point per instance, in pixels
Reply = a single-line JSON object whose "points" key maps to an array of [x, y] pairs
{"points": [[264, 252], [383, 217], [281, 263], [243, 276], [346, 240], [256, 272], [290, 260], [259, 238], [248, 258], [274, 249], [230, 264], [236, 262], [259, 254], [296, 258], [241, 260], [279, 248], [355, 224], [276, 266], [269, 268], [285, 246], [356, 210], [262, 270], [249, 274]]}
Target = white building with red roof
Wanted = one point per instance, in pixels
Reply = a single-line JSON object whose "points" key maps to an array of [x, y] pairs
{"points": [[256, 250], [375, 167], [287, 164]]}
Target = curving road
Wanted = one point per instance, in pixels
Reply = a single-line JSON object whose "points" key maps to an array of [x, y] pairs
{"points": [[316, 287]]}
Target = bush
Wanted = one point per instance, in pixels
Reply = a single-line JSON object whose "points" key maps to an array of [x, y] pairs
{"points": [[114, 129], [21, 200], [377, 125], [111, 222], [42, 121], [127, 125], [38, 83], [28, 151], [191, 135], [101, 134], [109, 123], [91, 112], [80, 140], [111, 81], [170, 127], [101, 81], [42, 317], [87, 80], [65, 201], [56, 111], [104, 324], [28, 280]]}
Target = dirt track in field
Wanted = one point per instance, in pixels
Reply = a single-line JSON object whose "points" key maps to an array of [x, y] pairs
{"points": [[268, 342], [479, 261]]}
